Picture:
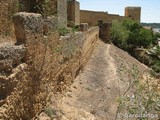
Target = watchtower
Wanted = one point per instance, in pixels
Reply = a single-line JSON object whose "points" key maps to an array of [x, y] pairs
{"points": [[73, 12], [134, 13]]}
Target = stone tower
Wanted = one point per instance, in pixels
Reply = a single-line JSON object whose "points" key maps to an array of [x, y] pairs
{"points": [[134, 13], [73, 11]]}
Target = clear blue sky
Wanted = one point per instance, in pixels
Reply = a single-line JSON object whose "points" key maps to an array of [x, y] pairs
{"points": [[150, 9]]}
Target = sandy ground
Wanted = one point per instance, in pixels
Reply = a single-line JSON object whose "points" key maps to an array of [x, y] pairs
{"points": [[94, 92]]}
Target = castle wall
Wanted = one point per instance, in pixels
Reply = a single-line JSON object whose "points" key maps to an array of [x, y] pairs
{"points": [[112, 17], [7, 10], [92, 17], [73, 12], [51, 65]]}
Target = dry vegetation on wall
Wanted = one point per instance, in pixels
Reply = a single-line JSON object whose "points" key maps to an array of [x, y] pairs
{"points": [[7, 9], [49, 66]]}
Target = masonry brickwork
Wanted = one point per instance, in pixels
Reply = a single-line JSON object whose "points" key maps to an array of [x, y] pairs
{"points": [[134, 13], [73, 11], [92, 17]]}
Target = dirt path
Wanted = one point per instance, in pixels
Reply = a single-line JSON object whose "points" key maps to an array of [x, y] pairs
{"points": [[94, 92]]}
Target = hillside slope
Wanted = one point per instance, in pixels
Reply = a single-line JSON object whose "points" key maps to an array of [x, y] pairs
{"points": [[93, 94]]}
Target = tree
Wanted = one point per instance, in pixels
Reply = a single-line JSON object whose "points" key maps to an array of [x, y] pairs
{"points": [[119, 34]]}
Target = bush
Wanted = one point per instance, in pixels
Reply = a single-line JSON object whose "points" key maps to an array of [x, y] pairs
{"points": [[119, 34], [63, 31], [130, 35]]}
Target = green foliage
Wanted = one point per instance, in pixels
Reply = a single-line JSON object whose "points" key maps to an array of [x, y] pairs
{"points": [[140, 97], [119, 34], [157, 35], [155, 59], [156, 66], [50, 112], [63, 31], [156, 25], [130, 35]]}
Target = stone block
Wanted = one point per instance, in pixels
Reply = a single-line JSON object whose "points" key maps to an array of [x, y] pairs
{"points": [[10, 56], [84, 27], [27, 25], [50, 24]]}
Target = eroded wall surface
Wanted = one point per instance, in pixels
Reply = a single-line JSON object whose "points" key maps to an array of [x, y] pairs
{"points": [[73, 12], [50, 65], [62, 13], [7, 9], [133, 13]]}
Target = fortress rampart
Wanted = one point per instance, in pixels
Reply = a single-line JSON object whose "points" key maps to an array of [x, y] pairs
{"points": [[92, 17], [47, 62]]}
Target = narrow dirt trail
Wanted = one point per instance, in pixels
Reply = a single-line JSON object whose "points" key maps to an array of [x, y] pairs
{"points": [[93, 94], [94, 91]]}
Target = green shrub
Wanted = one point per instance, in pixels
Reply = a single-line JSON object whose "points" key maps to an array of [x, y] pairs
{"points": [[119, 34], [141, 97], [130, 35], [63, 31]]}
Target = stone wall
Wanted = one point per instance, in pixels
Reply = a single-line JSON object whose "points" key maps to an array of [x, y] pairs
{"points": [[104, 32], [62, 13], [73, 11], [92, 17], [50, 67], [7, 9]]}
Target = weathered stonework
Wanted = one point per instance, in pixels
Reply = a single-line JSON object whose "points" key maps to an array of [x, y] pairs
{"points": [[73, 12], [62, 13], [84, 27], [92, 17], [7, 9], [134, 13], [57, 8], [28, 26], [104, 32], [10, 56]]}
